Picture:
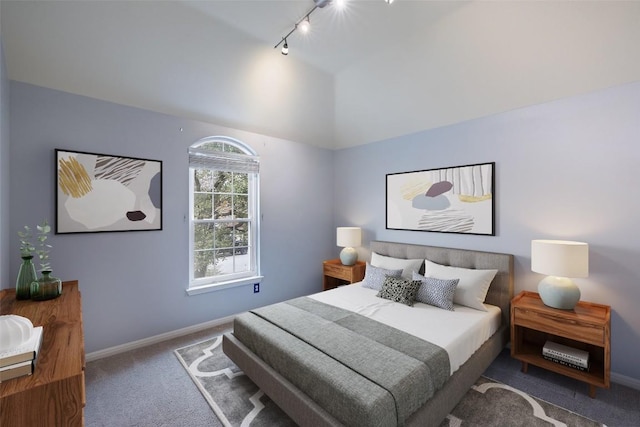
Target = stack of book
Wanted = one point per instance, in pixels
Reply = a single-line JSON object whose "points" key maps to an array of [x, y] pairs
{"points": [[565, 355], [21, 360]]}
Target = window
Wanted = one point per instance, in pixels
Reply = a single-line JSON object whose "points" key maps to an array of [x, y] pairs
{"points": [[223, 190]]}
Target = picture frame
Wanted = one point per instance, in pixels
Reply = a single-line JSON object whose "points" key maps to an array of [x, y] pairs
{"points": [[102, 193], [457, 199]]}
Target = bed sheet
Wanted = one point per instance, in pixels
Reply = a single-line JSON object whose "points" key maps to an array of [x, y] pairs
{"points": [[460, 332]]}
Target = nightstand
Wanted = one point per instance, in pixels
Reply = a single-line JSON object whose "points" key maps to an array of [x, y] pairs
{"points": [[587, 327], [335, 274]]}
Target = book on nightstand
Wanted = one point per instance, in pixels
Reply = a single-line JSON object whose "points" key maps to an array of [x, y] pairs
{"points": [[564, 363], [17, 370], [25, 352], [566, 355]]}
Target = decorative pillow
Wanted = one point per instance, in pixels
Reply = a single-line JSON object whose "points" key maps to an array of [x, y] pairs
{"points": [[374, 276], [407, 265], [472, 286], [436, 292], [399, 290]]}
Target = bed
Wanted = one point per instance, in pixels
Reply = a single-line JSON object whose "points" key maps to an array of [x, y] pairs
{"points": [[306, 411]]}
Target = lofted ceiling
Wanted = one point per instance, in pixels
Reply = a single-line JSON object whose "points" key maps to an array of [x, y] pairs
{"points": [[369, 72], [340, 36]]}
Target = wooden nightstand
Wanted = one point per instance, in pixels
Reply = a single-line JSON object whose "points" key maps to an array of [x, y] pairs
{"points": [[335, 274], [586, 327]]}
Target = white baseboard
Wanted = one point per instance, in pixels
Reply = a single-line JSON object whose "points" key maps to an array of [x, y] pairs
{"points": [[156, 339], [626, 381]]}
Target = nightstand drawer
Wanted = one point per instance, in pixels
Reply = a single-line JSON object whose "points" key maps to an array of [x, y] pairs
{"points": [[335, 274], [338, 271], [558, 325]]}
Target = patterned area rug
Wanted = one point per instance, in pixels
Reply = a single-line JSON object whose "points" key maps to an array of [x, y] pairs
{"points": [[238, 402]]}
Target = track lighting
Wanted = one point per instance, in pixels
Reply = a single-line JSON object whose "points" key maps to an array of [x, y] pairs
{"points": [[304, 24]]}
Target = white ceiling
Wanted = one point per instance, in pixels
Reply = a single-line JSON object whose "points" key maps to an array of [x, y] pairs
{"points": [[372, 71], [339, 36]]}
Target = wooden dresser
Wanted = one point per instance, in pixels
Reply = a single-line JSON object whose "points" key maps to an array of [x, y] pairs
{"points": [[54, 395]]}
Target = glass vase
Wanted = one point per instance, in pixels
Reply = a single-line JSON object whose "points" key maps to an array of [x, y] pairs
{"points": [[46, 287], [26, 275]]}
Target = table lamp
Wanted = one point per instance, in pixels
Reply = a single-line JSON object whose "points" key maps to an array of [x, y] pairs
{"points": [[347, 238], [559, 260]]}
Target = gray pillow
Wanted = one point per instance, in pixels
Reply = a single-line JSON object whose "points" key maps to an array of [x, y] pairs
{"points": [[399, 290], [436, 292], [374, 276]]}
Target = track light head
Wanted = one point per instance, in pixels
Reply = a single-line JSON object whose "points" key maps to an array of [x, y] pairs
{"points": [[388, 1], [285, 48], [305, 25]]}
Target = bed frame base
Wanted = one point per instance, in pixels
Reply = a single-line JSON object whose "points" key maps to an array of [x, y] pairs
{"points": [[305, 412]]}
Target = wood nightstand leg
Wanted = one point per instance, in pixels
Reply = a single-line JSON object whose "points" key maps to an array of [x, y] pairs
{"points": [[524, 368], [592, 391]]}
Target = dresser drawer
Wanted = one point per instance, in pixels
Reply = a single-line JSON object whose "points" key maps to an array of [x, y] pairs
{"points": [[558, 325], [338, 271]]}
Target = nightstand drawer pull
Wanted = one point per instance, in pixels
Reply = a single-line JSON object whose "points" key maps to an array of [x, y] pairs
{"points": [[557, 325]]}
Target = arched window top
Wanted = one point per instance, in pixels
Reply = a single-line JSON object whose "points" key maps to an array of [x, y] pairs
{"points": [[224, 144], [223, 153]]}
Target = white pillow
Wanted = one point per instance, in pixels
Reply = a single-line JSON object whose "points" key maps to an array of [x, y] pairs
{"points": [[408, 266], [473, 284]]}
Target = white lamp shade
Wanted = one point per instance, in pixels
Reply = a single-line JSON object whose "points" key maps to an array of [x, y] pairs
{"points": [[348, 237], [560, 258]]}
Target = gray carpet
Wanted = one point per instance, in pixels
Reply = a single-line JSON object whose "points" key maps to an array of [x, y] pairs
{"points": [[239, 402], [618, 406], [148, 387]]}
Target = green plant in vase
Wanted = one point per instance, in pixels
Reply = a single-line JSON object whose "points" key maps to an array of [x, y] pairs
{"points": [[46, 287], [43, 247], [27, 271]]}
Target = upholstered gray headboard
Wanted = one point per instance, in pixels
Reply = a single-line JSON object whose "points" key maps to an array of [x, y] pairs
{"points": [[501, 289]]}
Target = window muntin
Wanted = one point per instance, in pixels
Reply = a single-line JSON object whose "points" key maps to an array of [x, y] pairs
{"points": [[223, 211]]}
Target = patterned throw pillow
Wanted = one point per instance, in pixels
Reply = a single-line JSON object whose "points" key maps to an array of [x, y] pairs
{"points": [[374, 276], [436, 292], [399, 290]]}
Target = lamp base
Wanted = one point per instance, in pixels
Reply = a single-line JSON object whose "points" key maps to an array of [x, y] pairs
{"points": [[559, 292], [348, 256]]}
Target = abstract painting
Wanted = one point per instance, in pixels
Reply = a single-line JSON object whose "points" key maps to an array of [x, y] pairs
{"points": [[99, 192], [457, 199]]}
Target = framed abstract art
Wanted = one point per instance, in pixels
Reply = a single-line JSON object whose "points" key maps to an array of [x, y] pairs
{"points": [[458, 199], [101, 192]]}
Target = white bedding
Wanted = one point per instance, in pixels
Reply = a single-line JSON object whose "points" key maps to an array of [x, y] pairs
{"points": [[460, 332]]}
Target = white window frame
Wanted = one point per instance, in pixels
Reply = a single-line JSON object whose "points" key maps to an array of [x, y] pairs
{"points": [[208, 284]]}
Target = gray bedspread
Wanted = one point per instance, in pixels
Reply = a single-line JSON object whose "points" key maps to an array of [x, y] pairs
{"points": [[361, 371]]}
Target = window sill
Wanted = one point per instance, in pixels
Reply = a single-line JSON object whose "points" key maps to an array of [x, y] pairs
{"points": [[212, 287]]}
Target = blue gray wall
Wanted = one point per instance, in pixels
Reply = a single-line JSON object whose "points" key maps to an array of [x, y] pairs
{"points": [[4, 169], [133, 283], [564, 170]]}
